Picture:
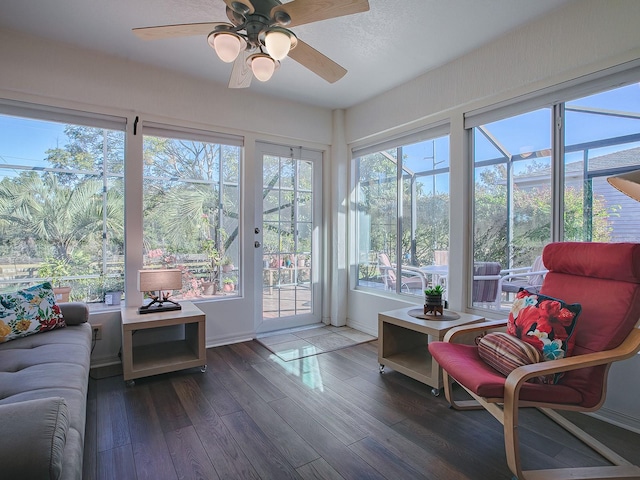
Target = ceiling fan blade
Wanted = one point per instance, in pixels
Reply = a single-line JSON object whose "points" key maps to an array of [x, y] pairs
{"points": [[247, 4], [318, 63], [307, 11], [241, 73], [179, 30]]}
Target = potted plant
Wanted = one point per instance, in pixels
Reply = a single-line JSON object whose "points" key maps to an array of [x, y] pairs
{"points": [[112, 288], [229, 284], [433, 299], [210, 285], [227, 264], [54, 269]]}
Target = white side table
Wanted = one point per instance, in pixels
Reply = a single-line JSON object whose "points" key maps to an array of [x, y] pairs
{"points": [[145, 360], [403, 342]]}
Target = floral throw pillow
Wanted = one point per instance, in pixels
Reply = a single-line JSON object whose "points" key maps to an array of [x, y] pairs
{"points": [[29, 311], [544, 322]]}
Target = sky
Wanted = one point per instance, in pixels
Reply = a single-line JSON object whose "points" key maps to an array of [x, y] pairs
{"points": [[531, 132], [25, 141]]}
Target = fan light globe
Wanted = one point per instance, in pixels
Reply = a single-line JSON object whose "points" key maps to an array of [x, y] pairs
{"points": [[262, 66], [278, 44], [226, 45]]}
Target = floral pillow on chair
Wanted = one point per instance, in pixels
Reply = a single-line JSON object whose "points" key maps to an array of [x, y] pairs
{"points": [[539, 328], [544, 322], [29, 311]]}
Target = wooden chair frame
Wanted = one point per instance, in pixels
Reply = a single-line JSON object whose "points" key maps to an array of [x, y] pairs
{"points": [[505, 410]]}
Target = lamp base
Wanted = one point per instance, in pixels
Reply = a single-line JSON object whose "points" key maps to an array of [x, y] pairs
{"points": [[156, 306]]}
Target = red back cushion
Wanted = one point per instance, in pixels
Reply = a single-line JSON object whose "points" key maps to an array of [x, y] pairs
{"points": [[604, 278]]}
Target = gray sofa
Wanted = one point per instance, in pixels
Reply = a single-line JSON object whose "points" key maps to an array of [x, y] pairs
{"points": [[43, 399]]}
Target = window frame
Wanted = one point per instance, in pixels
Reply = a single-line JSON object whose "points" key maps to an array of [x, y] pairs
{"points": [[71, 117], [175, 132], [395, 142], [555, 98]]}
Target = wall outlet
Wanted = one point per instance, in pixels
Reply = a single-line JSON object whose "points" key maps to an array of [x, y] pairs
{"points": [[97, 331]]}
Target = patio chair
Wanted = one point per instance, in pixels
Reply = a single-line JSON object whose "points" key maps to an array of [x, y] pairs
{"points": [[605, 280], [486, 280], [412, 278], [512, 280]]}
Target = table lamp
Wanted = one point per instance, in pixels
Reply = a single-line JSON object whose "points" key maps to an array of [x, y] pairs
{"points": [[627, 183], [160, 281]]}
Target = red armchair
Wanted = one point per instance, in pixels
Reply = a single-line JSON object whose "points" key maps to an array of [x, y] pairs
{"points": [[605, 280]]}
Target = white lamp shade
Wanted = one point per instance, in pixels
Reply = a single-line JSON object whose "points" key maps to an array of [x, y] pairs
{"points": [[627, 183], [226, 44], [278, 44], [262, 66], [159, 279]]}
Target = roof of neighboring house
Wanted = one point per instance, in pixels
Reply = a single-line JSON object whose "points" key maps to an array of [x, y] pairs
{"points": [[573, 170]]}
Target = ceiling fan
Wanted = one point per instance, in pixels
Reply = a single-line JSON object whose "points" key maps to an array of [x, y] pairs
{"points": [[256, 40]]}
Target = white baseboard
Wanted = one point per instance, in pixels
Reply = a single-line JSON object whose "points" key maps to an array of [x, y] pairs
{"points": [[105, 361], [618, 419], [363, 327], [220, 341]]}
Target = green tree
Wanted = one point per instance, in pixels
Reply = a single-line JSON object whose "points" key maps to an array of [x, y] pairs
{"points": [[531, 222], [57, 217]]}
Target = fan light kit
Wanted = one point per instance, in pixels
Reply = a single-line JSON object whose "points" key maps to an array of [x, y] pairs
{"points": [[256, 40]]}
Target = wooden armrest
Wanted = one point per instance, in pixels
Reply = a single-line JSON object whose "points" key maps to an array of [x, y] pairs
{"points": [[473, 327], [517, 377]]}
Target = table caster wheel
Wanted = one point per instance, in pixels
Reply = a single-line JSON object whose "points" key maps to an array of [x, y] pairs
{"points": [[435, 392], [130, 383], [203, 368], [381, 368]]}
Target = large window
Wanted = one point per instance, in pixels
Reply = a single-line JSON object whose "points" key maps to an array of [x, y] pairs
{"points": [[61, 203], [517, 209], [402, 212], [191, 203]]}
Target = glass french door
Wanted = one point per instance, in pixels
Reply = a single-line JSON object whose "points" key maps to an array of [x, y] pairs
{"points": [[288, 228]]}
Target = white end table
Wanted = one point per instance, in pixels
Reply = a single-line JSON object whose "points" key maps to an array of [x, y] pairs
{"points": [[403, 341], [145, 360]]}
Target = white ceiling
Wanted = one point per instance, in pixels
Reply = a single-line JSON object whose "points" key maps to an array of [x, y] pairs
{"points": [[396, 41]]}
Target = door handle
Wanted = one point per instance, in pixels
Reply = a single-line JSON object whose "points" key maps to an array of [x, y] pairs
{"points": [[256, 244]]}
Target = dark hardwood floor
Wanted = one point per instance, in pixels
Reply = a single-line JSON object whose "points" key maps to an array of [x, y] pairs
{"points": [[331, 416]]}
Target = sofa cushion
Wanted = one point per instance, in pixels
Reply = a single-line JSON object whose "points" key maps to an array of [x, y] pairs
{"points": [[55, 364], [29, 311], [35, 434]]}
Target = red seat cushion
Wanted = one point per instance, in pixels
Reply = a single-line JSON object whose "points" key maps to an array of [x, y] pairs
{"points": [[464, 364]]}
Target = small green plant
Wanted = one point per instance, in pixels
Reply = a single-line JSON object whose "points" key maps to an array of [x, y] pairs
{"points": [[229, 281], [112, 283], [437, 290], [226, 261], [213, 258], [54, 269]]}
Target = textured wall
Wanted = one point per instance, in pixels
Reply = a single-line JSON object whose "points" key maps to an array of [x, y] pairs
{"points": [[586, 36], [72, 76]]}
